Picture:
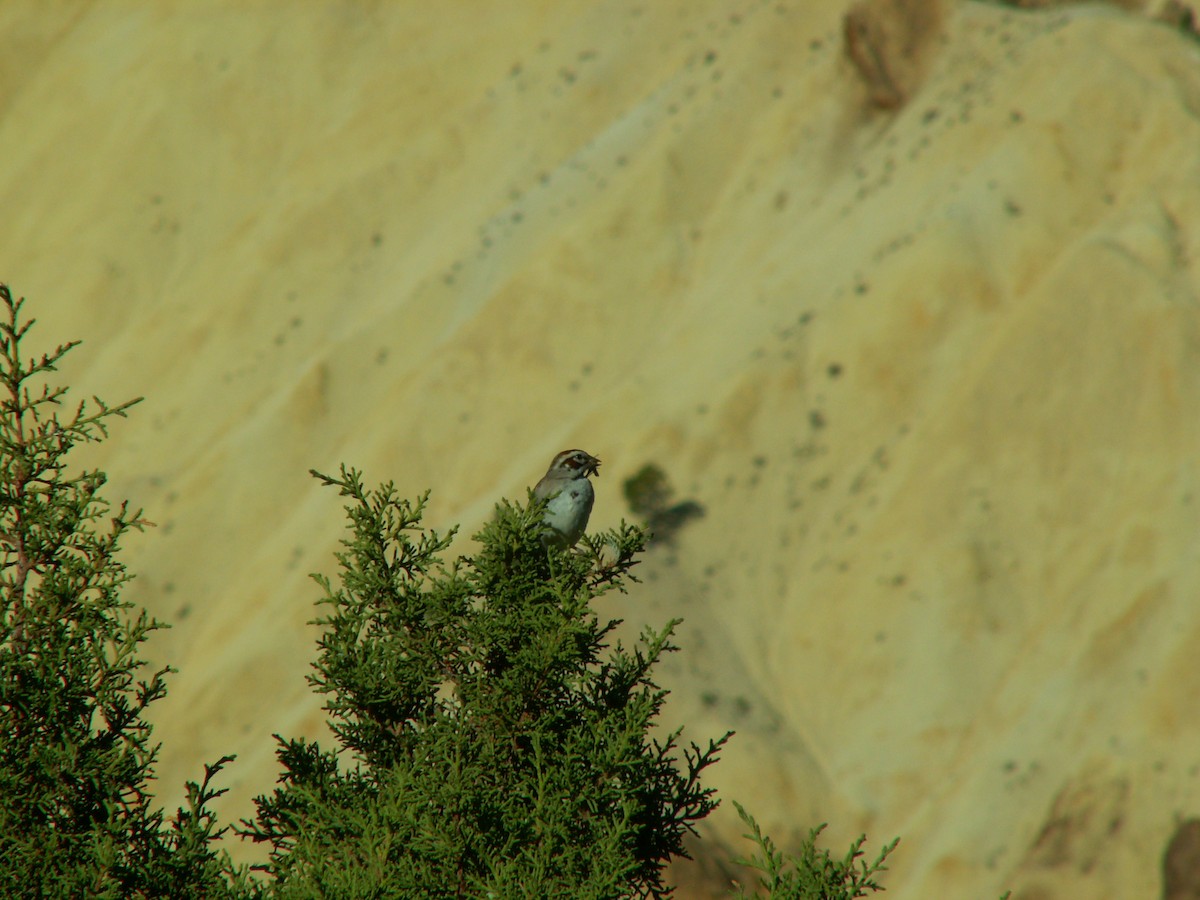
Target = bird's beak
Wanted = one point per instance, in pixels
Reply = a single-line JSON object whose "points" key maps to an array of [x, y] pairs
{"points": [[593, 466]]}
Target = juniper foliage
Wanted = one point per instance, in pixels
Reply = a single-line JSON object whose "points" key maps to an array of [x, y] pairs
{"points": [[76, 756], [810, 873], [493, 740]]}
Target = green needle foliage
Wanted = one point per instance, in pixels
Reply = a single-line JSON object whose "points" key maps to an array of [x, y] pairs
{"points": [[76, 817], [810, 874], [493, 740]]}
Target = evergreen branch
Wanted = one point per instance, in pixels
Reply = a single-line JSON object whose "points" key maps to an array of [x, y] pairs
{"points": [[77, 756]]}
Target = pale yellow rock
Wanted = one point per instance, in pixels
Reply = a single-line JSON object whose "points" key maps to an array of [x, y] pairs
{"points": [[933, 372]]}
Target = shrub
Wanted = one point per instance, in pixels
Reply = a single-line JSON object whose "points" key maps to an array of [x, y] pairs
{"points": [[76, 757], [492, 738]]}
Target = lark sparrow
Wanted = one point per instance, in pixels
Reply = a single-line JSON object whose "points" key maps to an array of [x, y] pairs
{"points": [[569, 496]]}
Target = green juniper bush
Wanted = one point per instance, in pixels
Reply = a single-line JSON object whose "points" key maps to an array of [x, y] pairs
{"points": [[494, 741], [76, 756]]}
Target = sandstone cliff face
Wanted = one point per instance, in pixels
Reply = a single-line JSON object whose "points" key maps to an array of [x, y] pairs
{"points": [[930, 366]]}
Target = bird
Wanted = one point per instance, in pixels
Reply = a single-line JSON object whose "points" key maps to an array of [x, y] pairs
{"points": [[568, 495]]}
